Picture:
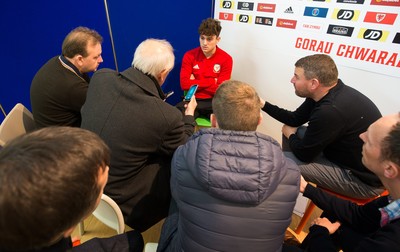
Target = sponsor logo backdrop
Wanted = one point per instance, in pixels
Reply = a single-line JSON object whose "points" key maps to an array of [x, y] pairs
{"points": [[361, 34], [265, 38]]}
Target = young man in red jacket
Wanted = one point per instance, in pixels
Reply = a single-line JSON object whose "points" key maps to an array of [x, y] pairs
{"points": [[207, 66]]}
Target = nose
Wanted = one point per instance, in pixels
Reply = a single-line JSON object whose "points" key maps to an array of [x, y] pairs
{"points": [[292, 80], [100, 59], [362, 136]]}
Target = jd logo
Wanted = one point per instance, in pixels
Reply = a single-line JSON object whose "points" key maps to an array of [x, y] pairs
{"points": [[345, 14], [243, 18], [227, 4], [372, 34]]}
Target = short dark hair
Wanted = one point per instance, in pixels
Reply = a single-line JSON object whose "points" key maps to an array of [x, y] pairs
{"points": [[210, 27], [321, 67], [236, 105], [48, 184], [77, 40], [390, 146]]}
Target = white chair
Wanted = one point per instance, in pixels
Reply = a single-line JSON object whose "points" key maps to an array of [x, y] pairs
{"points": [[150, 247], [18, 122], [109, 213]]}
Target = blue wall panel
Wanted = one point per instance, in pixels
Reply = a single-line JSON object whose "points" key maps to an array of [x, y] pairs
{"points": [[32, 32], [174, 20]]}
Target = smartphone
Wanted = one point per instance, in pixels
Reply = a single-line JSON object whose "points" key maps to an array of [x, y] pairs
{"points": [[192, 90]]}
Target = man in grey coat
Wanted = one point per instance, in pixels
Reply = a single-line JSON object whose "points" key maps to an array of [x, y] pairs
{"points": [[127, 110], [232, 187]]}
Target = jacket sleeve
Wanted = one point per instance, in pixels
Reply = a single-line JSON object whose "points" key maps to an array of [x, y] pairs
{"points": [[205, 80], [324, 127], [177, 134], [318, 239], [186, 71], [292, 118], [364, 218], [321, 131]]}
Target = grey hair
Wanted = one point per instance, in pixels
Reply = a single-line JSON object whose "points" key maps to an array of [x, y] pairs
{"points": [[153, 56]]}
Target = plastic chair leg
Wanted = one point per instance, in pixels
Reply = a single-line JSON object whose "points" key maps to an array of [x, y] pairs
{"points": [[306, 216], [81, 228]]}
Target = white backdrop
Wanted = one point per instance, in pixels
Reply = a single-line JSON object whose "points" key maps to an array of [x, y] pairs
{"points": [[362, 37], [264, 55]]}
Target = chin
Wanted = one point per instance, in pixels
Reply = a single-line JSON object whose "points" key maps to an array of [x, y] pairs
{"points": [[363, 162]]}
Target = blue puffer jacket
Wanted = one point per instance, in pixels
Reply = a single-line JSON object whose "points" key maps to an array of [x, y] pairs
{"points": [[235, 191]]}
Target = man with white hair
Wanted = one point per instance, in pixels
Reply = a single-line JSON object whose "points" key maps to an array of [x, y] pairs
{"points": [[127, 110]]}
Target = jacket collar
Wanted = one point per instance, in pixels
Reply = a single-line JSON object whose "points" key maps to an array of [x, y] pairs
{"points": [[144, 81], [71, 67]]}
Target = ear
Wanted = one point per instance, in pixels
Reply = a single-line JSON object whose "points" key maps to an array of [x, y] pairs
{"points": [[68, 232], [391, 170], [162, 76], [213, 119], [260, 119], [79, 59], [218, 39], [314, 83]]}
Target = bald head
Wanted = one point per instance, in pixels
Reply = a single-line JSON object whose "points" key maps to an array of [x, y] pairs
{"points": [[382, 143]]}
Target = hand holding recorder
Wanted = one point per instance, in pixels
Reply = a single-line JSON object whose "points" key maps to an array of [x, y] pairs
{"points": [[192, 90], [190, 100]]}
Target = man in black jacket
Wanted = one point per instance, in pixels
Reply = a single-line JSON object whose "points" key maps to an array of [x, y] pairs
{"points": [[127, 110], [376, 225], [329, 151]]}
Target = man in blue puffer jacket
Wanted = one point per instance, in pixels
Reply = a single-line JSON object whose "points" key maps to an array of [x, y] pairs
{"points": [[232, 187]]}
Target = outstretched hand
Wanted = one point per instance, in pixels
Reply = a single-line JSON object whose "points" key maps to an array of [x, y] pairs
{"points": [[288, 130], [303, 184], [262, 102], [324, 222]]}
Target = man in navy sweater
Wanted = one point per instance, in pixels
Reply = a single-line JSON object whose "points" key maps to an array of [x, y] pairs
{"points": [[59, 88], [329, 151]]}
